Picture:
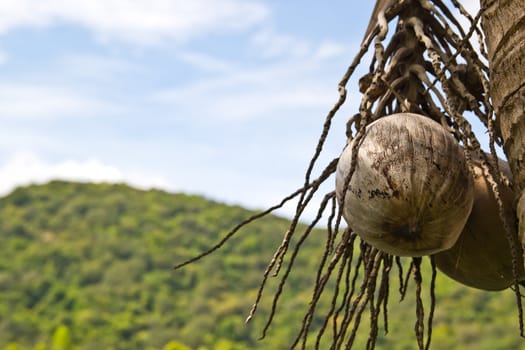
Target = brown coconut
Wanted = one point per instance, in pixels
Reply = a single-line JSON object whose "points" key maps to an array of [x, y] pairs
{"points": [[482, 258], [411, 193]]}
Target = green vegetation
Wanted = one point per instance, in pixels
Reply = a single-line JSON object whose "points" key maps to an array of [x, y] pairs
{"points": [[87, 266]]}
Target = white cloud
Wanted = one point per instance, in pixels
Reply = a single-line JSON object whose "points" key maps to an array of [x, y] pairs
{"points": [[205, 62], [96, 67], [47, 102], [26, 168], [270, 44], [4, 57], [136, 21], [272, 100], [273, 88], [328, 50], [248, 96]]}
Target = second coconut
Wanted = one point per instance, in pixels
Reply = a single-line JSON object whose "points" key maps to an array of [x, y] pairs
{"points": [[411, 192]]}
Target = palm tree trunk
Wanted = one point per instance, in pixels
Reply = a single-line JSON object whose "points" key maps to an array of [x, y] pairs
{"points": [[504, 27]]}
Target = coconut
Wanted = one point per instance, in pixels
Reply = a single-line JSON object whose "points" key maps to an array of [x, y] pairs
{"points": [[411, 192], [482, 258]]}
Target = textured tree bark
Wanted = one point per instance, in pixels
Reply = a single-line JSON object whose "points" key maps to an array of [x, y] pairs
{"points": [[504, 28]]}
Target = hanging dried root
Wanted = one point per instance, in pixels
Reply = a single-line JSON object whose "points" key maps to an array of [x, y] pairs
{"points": [[426, 66]]}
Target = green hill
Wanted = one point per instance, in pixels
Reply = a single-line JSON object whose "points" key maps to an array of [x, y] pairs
{"points": [[90, 266]]}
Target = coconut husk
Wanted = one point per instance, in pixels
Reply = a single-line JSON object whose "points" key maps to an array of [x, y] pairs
{"points": [[411, 191], [481, 257]]}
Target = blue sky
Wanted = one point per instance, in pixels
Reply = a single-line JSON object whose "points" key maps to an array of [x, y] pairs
{"points": [[224, 98]]}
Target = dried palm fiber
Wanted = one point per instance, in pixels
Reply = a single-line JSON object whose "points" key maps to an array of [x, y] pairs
{"points": [[482, 258], [411, 192], [422, 62]]}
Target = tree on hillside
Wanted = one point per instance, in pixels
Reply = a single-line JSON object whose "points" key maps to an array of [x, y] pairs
{"points": [[422, 61], [61, 339]]}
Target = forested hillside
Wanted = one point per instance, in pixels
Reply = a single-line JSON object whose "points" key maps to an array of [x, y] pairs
{"points": [[90, 266]]}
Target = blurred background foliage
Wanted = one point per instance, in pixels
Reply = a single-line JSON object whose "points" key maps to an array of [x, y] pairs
{"points": [[90, 266]]}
